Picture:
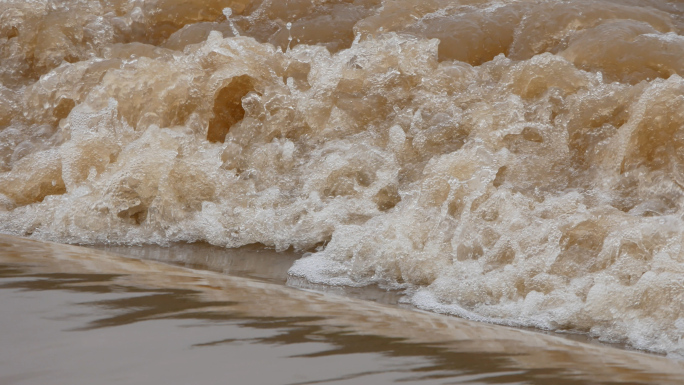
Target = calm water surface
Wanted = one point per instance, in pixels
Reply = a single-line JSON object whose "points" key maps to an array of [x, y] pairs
{"points": [[78, 316]]}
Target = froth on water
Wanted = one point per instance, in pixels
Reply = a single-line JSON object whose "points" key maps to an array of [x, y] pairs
{"points": [[520, 162]]}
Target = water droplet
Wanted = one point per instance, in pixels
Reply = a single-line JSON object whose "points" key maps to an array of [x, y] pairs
{"points": [[228, 12], [289, 35]]}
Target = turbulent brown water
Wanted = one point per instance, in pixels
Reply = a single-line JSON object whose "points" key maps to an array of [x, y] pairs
{"points": [[520, 162]]}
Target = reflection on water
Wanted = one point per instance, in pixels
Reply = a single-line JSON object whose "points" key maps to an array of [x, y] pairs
{"points": [[252, 261], [72, 315]]}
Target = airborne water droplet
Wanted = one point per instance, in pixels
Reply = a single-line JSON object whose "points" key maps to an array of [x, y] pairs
{"points": [[289, 35], [229, 12]]}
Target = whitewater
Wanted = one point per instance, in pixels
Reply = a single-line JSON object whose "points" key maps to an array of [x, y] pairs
{"points": [[518, 162]]}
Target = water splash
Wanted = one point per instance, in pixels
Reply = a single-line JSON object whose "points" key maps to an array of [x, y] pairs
{"points": [[289, 34], [228, 13], [517, 161]]}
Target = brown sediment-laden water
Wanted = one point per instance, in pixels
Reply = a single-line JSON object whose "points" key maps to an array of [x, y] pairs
{"points": [[77, 316], [518, 162]]}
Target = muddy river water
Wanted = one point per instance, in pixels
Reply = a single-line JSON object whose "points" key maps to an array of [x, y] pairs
{"points": [[74, 315], [517, 162]]}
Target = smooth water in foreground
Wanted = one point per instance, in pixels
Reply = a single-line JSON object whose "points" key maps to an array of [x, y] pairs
{"points": [[516, 162], [77, 316]]}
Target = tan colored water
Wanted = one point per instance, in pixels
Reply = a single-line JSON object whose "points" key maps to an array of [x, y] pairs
{"points": [[519, 162], [73, 315]]}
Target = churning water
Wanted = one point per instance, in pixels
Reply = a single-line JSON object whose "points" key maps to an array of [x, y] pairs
{"points": [[520, 162]]}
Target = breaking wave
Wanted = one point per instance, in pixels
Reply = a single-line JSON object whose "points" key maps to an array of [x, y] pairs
{"points": [[520, 162]]}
